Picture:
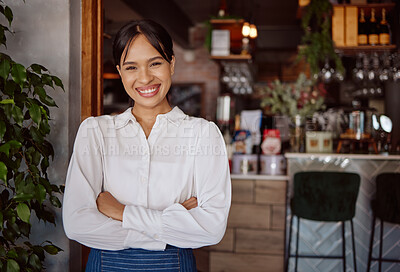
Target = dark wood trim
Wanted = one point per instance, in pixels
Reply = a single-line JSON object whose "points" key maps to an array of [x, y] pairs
{"points": [[92, 58], [92, 70]]}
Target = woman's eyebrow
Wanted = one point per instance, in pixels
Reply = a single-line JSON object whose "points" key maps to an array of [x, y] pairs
{"points": [[149, 60]]}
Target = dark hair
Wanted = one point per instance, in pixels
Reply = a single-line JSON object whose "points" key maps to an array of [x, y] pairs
{"points": [[158, 37]]}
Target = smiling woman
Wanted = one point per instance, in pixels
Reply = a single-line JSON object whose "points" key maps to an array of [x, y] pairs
{"points": [[146, 75], [132, 187]]}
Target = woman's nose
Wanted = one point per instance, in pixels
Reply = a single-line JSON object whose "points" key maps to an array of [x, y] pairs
{"points": [[145, 76]]}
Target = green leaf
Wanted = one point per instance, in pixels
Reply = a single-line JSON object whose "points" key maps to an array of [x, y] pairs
{"points": [[5, 148], [3, 129], [47, 80], [34, 79], [55, 201], [10, 88], [37, 68], [3, 38], [36, 135], [52, 249], [35, 113], [36, 157], [17, 115], [44, 164], [40, 193], [34, 261], [23, 212], [34, 169], [12, 254], [48, 101], [39, 251], [40, 92], [12, 266], [18, 73], [58, 82], [9, 235], [25, 229], [5, 67], [7, 101], [23, 197], [44, 127], [9, 15], [22, 255], [3, 172]]}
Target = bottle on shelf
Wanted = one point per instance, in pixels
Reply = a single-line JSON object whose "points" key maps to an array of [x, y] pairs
{"points": [[373, 35], [384, 33], [362, 29]]}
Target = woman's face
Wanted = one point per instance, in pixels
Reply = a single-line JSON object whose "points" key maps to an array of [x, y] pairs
{"points": [[146, 75]]}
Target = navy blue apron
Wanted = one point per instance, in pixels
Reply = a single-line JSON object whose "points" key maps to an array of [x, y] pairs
{"points": [[172, 259]]}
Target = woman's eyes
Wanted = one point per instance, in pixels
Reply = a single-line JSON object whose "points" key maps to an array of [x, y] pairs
{"points": [[154, 64], [130, 68]]}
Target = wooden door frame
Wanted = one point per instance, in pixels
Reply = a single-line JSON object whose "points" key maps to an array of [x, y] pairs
{"points": [[92, 58], [91, 70]]}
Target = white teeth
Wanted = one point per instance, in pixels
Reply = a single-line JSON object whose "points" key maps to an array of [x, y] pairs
{"points": [[148, 91]]}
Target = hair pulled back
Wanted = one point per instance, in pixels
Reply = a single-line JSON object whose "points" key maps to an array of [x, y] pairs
{"points": [[158, 37]]}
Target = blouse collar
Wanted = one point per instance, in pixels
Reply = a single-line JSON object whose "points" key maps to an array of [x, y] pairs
{"points": [[175, 116]]}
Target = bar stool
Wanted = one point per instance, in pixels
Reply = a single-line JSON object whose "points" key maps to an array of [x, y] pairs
{"points": [[385, 207], [328, 197]]}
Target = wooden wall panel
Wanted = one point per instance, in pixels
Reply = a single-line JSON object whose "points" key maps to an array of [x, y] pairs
{"points": [[91, 70], [92, 58]]}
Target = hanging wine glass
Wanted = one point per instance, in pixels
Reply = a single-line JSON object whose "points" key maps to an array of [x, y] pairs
{"points": [[396, 67], [327, 72], [372, 71], [384, 72], [358, 73], [338, 76]]}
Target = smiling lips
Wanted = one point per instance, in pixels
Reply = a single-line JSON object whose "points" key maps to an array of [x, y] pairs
{"points": [[148, 91]]}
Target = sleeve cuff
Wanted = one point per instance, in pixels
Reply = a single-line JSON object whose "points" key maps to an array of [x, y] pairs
{"points": [[144, 220]]}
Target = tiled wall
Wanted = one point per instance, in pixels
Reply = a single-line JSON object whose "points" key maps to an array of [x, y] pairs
{"points": [[254, 240]]}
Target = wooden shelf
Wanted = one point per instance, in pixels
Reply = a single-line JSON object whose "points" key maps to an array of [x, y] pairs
{"points": [[351, 50], [226, 21], [368, 6], [232, 57], [111, 76]]}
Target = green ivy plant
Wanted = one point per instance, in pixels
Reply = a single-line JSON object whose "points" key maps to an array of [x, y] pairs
{"points": [[25, 154], [317, 45]]}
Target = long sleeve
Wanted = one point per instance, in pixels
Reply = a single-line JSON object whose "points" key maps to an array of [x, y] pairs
{"points": [[205, 224], [81, 218]]}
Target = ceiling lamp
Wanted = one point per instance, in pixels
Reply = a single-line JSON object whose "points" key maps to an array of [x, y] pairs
{"points": [[253, 31], [246, 29]]}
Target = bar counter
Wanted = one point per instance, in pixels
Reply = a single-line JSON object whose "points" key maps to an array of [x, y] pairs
{"points": [[325, 238], [254, 239]]}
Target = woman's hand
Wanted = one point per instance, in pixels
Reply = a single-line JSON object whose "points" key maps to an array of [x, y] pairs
{"points": [[109, 206], [190, 203]]}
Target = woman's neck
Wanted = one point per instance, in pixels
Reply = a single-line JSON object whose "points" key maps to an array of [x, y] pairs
{"points": [[146, 117]]}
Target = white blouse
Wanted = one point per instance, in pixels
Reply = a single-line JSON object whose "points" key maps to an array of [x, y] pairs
{"points": [[182, 157]]}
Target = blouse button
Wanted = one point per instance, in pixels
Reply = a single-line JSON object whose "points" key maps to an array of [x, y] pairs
{"points": [[143, 179]]}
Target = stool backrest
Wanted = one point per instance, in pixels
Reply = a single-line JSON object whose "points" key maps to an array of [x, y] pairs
{"points": [[325, 196], [387, 203]]}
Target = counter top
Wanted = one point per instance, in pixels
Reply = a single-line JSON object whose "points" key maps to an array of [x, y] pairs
{"points": [[259, 177], [313, 156]]}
